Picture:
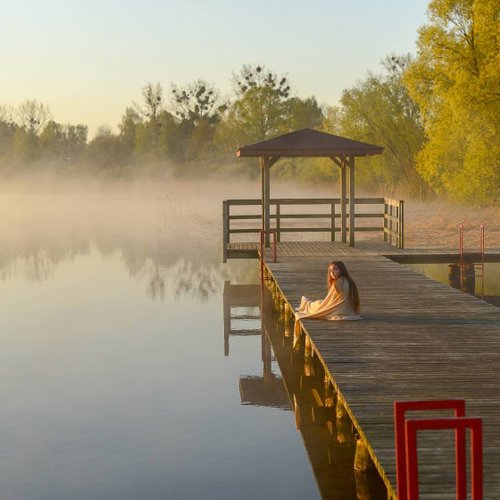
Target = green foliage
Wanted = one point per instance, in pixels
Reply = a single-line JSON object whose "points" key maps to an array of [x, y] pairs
{"points": [[259, 110], [198, 109], [152, 101], [129, 125], [257, 115], [332, 120], [65, 144], [263, 109], [455, 81], [104, 151], [303, 113], [7, 140], [197, 102], [33, 116], [379, 111], [25, 147], [258, 76], [436, 115]]}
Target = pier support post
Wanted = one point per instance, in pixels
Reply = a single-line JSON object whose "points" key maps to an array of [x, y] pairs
{"points": [[362, 459], [308, 348], [282, 308], [277, 299], [343, 424], [469, 279], [454, 276], [308, 370], [297, 335], [287, 319]]}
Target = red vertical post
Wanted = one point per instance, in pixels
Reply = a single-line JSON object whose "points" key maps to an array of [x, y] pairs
{"points": [[411, 462], [477, 459], [460, 461], [262, 249], [399, 436]]}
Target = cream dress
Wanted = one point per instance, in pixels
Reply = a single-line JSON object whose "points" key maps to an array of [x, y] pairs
{"points": [[335, 306]]}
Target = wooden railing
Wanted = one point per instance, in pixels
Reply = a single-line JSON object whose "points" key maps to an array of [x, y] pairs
{"points": [[389, 212], [394, 229]]}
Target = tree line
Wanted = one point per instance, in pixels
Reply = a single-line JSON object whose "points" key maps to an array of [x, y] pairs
{"points": [[436, 114]]}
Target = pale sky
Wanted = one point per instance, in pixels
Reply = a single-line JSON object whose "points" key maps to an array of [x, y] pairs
{"points": [[89, 59]]}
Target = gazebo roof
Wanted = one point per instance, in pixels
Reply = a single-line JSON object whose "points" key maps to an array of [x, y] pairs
{"points": [[309, 142]]}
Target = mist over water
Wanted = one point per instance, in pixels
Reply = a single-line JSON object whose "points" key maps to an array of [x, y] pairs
{"points": [[147, 225], [152, 225], [170, 230]]}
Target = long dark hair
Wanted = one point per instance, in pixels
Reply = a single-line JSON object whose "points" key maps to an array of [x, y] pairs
{"points": [[344, 273]]}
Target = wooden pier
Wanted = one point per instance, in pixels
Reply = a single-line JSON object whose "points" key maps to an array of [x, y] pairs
{"points": [[418, 340]]}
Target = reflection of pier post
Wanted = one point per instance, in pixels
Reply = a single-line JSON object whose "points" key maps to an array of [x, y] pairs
{"points": [[266, 356], [239, 296], [265, 390]]}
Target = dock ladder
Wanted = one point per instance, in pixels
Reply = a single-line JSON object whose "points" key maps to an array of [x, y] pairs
{"points": [[476, 269]]}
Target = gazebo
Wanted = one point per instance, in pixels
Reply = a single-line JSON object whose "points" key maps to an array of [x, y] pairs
{"points": [[311, 143]]}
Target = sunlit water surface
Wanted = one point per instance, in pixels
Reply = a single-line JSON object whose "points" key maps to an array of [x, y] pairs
{"points": [[113, 378]]}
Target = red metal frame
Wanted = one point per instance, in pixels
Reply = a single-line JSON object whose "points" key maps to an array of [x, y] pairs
{"points": [[262, 233], [275, 255], [400, 409]]}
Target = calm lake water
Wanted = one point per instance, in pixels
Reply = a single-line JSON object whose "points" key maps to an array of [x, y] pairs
{"points": [[483, 283], [117, 376]]}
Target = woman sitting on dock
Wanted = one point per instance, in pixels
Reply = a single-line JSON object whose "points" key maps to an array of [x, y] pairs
{"points": [[341, 302]]}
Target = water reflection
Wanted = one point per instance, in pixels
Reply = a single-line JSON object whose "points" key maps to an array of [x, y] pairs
{"points": [[241, 304], [341, 471], [475, 279], [165, 242]]}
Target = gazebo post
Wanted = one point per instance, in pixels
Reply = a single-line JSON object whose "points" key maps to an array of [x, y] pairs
{"points": [[266, 188], [343, 219], [352, 200]]}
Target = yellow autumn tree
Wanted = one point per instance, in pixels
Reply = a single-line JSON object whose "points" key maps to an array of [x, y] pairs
{"points": [[455, 81]]}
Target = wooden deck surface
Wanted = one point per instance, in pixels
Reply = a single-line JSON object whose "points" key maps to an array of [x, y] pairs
{"points": [[418, 340], [363, 247]]}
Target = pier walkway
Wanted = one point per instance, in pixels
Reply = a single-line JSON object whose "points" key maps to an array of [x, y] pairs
{"points": [[249, 250], [418, 340]]}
